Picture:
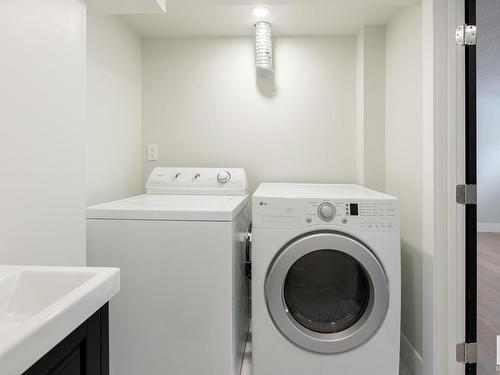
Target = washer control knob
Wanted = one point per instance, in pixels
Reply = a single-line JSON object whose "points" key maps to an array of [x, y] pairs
{"points": [[223, 177], [326, 211]]}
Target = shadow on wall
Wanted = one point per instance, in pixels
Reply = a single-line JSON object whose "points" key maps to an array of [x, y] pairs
{"points": [[412, 260], [266, 81]]}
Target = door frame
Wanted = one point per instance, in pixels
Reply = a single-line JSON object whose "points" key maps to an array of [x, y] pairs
{"points": [[443, 169], [470, 178]]}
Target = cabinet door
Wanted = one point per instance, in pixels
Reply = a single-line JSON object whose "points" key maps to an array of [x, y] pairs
{"points": [[82, 352], [72, 365]]}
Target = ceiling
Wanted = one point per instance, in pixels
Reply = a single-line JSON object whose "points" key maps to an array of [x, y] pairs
{"points": [[126, 6], [184, 18]]}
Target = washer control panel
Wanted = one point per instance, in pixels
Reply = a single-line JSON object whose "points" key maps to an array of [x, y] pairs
{"points": [[223, 177], [201, 181]]}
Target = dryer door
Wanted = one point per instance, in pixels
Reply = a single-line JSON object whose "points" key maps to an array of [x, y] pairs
{"points": [[327, 292]]}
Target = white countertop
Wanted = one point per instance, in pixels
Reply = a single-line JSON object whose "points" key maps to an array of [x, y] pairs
{"points": [[40, 306], [319, 191]]}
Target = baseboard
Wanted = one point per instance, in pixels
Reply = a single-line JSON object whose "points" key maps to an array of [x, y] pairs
{"points": [[411, 357], [488, 227]]}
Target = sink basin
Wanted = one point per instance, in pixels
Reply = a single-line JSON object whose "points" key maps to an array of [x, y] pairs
{"points": [[40, 306]]}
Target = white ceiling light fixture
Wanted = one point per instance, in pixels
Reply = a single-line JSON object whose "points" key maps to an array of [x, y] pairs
{"points": [[263, 46], [261, 13]]}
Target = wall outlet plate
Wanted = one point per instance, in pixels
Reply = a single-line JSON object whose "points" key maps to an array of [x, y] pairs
{"points": [[152, 152]]}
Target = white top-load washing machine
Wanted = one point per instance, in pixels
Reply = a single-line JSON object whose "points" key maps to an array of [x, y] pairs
{"points": [[183, 304], [325, 280]]}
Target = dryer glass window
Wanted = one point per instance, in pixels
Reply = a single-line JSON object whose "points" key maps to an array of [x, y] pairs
{"points": [[327, 291]]}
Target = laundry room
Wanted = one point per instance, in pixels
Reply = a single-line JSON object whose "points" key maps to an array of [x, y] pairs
{"points": [[342, 104], [181, 140]]}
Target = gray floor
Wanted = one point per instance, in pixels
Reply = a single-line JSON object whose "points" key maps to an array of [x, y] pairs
{"points": [[247, 364]]}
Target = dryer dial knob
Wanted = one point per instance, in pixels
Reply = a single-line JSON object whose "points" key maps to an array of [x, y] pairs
{"points": [[326, 211], [223, 177]]}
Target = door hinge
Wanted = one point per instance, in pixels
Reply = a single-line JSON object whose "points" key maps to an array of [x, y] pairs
{"points": [[467, 194], [467, 352], [466, 35]]}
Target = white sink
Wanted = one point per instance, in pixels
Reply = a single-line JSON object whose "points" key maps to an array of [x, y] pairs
{"points": [[40, 306]]}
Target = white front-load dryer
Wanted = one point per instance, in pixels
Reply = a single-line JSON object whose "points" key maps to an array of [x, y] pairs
{"points": [[326, 280]]}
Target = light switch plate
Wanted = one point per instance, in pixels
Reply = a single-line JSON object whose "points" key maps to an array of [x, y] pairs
{"points": [[152, 152]]}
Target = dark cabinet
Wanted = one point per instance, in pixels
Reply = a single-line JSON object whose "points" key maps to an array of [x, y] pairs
{"points": [[85, 351]]}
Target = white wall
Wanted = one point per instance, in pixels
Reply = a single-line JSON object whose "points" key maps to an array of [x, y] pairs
{"points": [[370, 106], [488, 116], [203, 105], [488, 120], [404, 165], [113, 110], [360, 127], [42, 146]]}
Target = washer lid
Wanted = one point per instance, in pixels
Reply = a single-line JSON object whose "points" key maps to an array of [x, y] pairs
{"points": [[171, 207]]}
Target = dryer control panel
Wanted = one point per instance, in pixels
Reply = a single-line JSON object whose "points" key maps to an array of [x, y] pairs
{"points": [[358, 215], [376, 215], [378, 212], [199, 181]]}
